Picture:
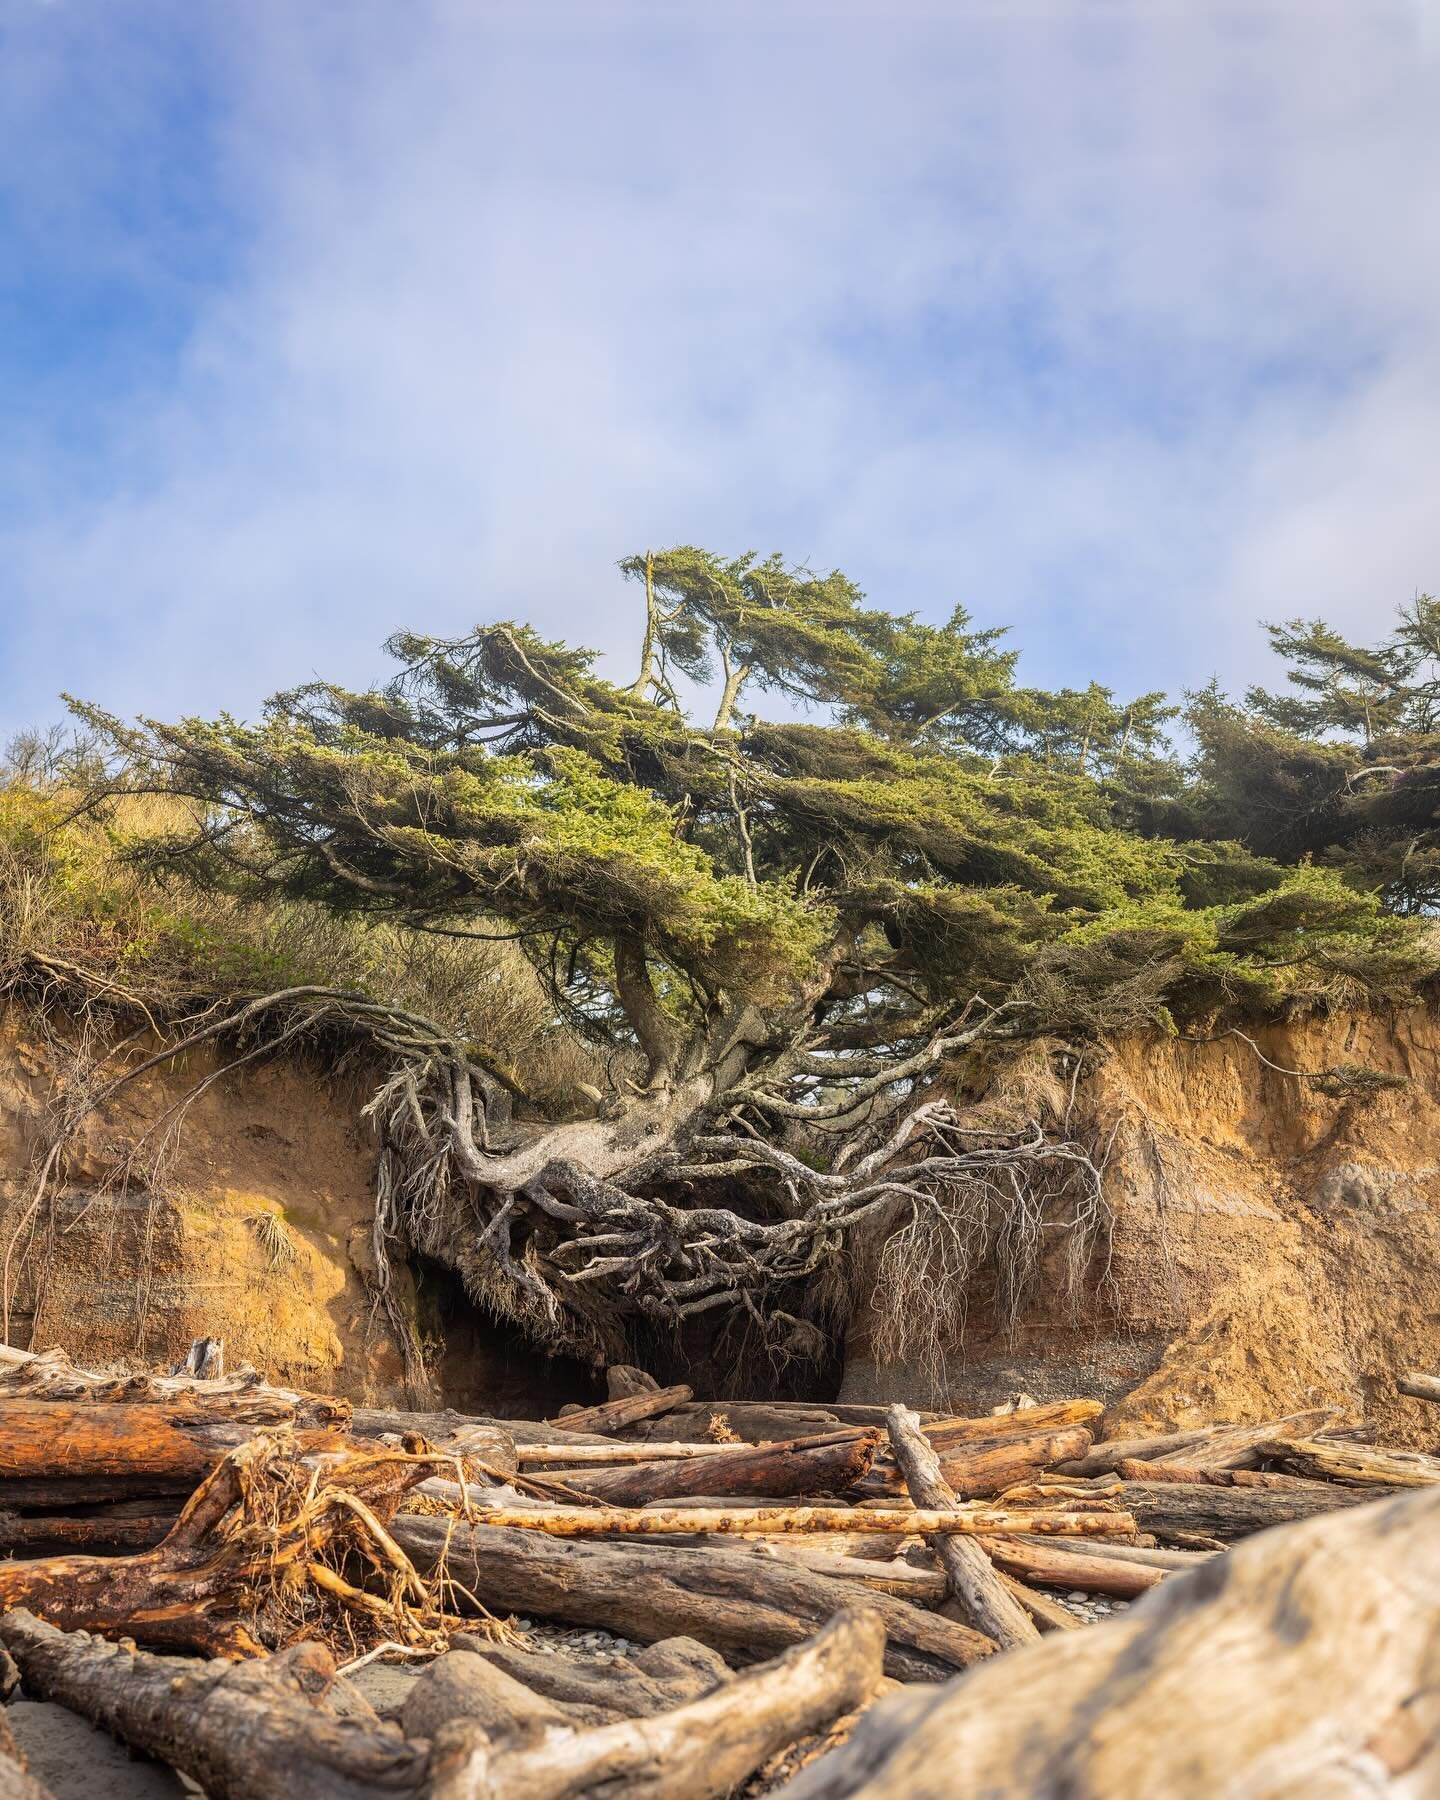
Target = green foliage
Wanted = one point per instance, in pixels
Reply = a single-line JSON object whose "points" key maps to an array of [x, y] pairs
{"points": [[936, 831]]}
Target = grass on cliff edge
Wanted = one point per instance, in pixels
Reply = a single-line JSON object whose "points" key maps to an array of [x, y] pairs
{"points": [[70, 904]]}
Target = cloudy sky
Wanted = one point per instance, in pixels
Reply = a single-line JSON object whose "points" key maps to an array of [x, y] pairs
{"points": [[1118, 323]]}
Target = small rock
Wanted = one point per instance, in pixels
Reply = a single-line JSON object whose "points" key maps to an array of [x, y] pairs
{"points": [[1078, 1597]]}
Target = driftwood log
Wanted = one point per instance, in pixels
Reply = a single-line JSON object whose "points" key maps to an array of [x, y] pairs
{"points": [[804, 1466], [1049, 1565], [614, 1415], [60, 1453], [1363, 1465], [740, 1602], [264, 1530], [983, 1599], [1304, 1663], [1419, 1386], [754, 1519], [976, 1470], [262, 1731], [1181, 1510]]}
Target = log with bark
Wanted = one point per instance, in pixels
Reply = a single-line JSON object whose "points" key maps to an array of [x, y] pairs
{"points": [[818, 1465], [973, 1584], [742, 1603], [1304, 1663], [262, 1731]]}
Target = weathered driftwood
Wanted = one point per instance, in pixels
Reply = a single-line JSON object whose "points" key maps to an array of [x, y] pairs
{"points": [[721, 1521], [974, 1471], [804, 1466], [701, 1751], [16, 1783], [1304, 1663], [995, 1428], [969, 1576], [448, 1427], [1047, 1613], [614, 1454], [263, 1528], [923, 1587], [1418, 1385], [100, 1530], [50, 1375], [262, 1731], [614, 1415], [1132, 1468], [1101, 1458], [1147, 1556], [1242, 1446], [246, 1731], [624, 1379], [1051, 1567], [1175, 1510], [654, 1679], [146, 1447], [1360, 1464], [744, 1604]]}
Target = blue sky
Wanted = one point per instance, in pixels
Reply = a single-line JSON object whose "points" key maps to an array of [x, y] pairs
{"points": [[1115, 322]]}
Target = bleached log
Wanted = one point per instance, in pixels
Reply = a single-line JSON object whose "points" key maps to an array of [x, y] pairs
{"points": [[1176, 1510], [976, 1470], [1419, 1386], [804, 1466]]}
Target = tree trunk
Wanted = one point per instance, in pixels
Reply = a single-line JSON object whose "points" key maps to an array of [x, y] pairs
{"points": [[971, 1580], [739, 1602], [51, 1375], [1309, 1669], [802, 1467], [206, 1585], [1419, 1386]]}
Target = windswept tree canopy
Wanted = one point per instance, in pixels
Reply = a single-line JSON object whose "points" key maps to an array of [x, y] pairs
{"points": [[785, 929]]}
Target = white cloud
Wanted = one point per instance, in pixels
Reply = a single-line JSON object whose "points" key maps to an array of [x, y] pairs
{"points": [[1114, 321]]}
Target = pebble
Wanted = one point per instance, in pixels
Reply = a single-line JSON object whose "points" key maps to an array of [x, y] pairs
{"points": [[1078, 1597]]}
